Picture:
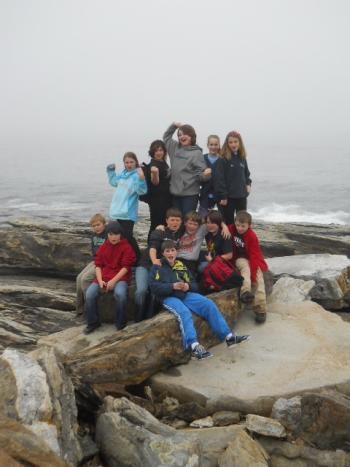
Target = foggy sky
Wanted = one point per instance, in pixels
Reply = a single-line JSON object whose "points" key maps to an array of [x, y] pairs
{"points": [[111, 75]]}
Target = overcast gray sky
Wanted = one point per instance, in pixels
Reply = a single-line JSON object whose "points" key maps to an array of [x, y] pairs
{"points": [[105, 74]]}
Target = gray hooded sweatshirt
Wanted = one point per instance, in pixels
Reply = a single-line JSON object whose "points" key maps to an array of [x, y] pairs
{"points": [[187, 166]]}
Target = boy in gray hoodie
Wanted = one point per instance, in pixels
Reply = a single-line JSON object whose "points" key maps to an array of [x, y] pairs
{"points": [[188, 168]]}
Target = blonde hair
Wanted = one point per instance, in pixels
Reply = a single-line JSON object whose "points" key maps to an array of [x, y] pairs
{"points": [[98, 218], [214, 137], [226, 152]]}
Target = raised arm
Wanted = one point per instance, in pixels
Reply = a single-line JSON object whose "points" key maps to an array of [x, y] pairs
{"points": [[113, 178], [169, 142]]}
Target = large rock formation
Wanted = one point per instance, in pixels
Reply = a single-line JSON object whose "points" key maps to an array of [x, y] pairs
{"points": [[300, 347], [331, 274]]}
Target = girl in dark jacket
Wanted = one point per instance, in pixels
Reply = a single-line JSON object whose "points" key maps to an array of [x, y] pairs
{"points": [[232, 181], [157, 174]]}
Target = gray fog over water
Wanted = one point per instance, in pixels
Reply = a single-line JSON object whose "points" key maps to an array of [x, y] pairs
{"points": [[82, 82]]}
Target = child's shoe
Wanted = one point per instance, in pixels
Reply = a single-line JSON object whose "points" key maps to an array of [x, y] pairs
{"points": [[199, 353], [91, 328], [260, 314], [236, 340], [247, 298]]}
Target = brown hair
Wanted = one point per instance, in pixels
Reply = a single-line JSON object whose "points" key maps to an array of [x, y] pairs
{"points": [[167, 245], [131, 155], [193, 216], [189, 131], [243, 216], [157, 144], [97, 218], [226, 152], [173, 212], [214, 137], [215, 217]]}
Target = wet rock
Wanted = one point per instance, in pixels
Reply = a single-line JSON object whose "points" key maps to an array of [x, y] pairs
{"points": [[265, 426], [38, 393], [243, 451], [206, 422], [331, 274], [289, 290], [129, 435], [226, 417]]}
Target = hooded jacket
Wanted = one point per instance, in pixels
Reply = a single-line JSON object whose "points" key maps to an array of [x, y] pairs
{"points": [[231, 178], [252, 248], [125, 200], [162, 278], [187, 166], [112, 258]]}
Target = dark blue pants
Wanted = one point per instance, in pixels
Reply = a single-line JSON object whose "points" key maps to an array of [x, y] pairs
{"points": [[185, 203]]}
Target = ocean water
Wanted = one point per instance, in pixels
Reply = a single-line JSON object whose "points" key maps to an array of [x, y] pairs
{"points": [[289, 185]]}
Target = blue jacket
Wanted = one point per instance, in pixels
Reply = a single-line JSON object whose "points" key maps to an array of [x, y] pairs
{"points": [[162, 278], [125, 201]]}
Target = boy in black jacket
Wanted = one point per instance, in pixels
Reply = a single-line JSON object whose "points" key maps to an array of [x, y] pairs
{"points": [[173, 283]]}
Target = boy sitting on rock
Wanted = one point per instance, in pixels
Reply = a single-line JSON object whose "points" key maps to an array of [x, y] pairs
{"points": [[249, 259], [84, 278], [173, 283], [114, 260]]}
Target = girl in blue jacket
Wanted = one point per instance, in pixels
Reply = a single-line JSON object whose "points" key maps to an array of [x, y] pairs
{"points": [[130, 184]]}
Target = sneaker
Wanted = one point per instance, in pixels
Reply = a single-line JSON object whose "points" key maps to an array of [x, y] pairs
{"points": [[247, 297], [260, 313], [91, 328], [236, 340], [199, 353]]}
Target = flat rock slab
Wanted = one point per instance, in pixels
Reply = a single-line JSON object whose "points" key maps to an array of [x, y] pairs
{"points": [[331, 274], [299, 348]]}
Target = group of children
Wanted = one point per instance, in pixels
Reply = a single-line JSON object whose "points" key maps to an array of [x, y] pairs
{"points": [[171, 265]]}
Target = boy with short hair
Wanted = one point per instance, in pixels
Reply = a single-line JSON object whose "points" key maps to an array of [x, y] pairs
{"points": [[152, 255], [114, 260], [216, 244], [84, 278], [248, 258], [173, 283]]}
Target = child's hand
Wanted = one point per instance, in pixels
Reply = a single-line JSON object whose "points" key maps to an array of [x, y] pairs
{"points": [[157, 262], [140, 173], [225, 233], [111, 167], [207, 172], [102, 284], [249, 188], [177, 124], [185, 287], [160, 227], [110, 285], [154, 170], [178, 285], [223, 202], [209, 257]]}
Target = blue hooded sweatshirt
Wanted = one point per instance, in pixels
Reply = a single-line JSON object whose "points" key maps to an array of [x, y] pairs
{"points": [[125, 200]]}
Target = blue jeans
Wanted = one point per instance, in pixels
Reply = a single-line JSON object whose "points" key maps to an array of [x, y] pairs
{"points": [[201, 306], [185, 203], [141, 279], [120, 297]]}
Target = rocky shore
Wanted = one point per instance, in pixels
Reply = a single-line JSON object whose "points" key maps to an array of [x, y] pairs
{"points": [[132, 398]]}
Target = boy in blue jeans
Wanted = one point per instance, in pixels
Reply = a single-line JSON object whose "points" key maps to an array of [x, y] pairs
{"points": [[173, 283]]}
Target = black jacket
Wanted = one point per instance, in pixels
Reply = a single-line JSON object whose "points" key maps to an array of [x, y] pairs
{"points": [[231, 178]]}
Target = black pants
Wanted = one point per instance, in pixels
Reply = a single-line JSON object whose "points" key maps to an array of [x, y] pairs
{"points": [[158, 206], [128, 229], [233, 205]]}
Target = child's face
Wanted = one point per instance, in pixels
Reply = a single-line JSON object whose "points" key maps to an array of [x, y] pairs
{"points": [[170, 254], [184, 140], [159, 154], [129, 164], [191, 227], [212, 228], [213, 146], [173, 223], [233, 143], [241, 227], [98, 227], [114, 238]]}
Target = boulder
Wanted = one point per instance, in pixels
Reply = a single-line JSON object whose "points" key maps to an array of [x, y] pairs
{"points": [[225, 417], [300, 348], [322, 420], [129, 435], [206, 422], [243, 451], [265, 426], [285, 454], [38, 393], [290, 290], [331, 274], [23, 447], [140, 350]]}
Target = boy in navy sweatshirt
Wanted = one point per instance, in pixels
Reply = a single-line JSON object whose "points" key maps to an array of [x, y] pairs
{"points": [[173, 283]]}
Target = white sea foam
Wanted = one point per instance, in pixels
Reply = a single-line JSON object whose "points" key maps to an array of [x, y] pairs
{"points": [[275, 212]]}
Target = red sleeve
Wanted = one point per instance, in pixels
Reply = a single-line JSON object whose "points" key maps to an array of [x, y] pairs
{"points": [[128, 258], [256, 259]]}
